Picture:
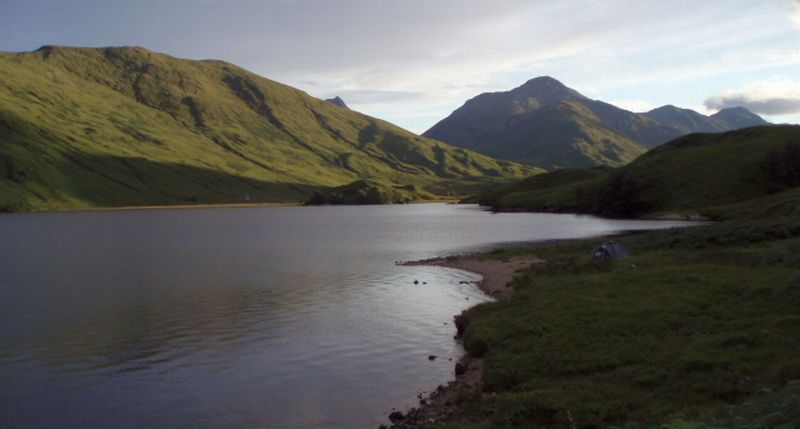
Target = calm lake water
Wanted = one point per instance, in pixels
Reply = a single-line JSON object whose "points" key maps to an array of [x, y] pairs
{"points": [[279, 317]]}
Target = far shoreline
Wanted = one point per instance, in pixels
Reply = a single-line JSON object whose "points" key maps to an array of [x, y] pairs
{"points": [[240, 205]]}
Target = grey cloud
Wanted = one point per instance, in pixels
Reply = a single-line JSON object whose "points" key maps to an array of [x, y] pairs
{"points": [[770, 106]]}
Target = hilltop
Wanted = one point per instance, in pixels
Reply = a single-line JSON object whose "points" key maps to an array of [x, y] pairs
{"points": [[752, 172], [86, 127], [545, 123], [337, 101]]}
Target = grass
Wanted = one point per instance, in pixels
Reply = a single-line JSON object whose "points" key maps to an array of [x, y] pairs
{"points": [[554, 191], [126, 126], [695, 322], [722, 175]]}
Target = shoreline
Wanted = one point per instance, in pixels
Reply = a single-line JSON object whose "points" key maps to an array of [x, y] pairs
{"points": [[181, 207], [495, 274], [438, 405], [297, 203]]}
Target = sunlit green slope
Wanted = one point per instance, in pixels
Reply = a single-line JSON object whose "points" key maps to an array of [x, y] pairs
{"points": [[84, 127]]}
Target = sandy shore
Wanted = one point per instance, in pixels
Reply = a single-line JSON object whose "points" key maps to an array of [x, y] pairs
{"points": [[439, 404], [496, 274]]}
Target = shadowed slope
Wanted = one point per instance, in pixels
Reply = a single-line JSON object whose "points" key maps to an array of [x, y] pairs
{"points": [[753, 172], [546, 123]]}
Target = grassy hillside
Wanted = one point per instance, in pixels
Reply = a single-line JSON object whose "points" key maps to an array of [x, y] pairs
{"points": [[752, 172], [368, 192], [127, 126], [689, 332]]}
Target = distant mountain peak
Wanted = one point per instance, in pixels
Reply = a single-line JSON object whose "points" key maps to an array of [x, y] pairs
{"points": [[737, 110], [685, 121], [544, 81], [546, 123], [547, 90], [666, 108], [337, 101], [738, 117]]}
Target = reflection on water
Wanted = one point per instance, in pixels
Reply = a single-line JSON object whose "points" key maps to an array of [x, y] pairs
{"points": [[267, 317]]}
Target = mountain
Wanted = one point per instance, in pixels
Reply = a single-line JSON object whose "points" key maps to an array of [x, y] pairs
{"points": [[337, 101], [738, 117], [543, 122], [686, 121], [83, 127], [751, 172]]}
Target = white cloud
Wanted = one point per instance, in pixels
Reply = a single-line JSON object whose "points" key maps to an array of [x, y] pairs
{"points": [[769, 97], [446, 54], [408, 60], [634, 105]]}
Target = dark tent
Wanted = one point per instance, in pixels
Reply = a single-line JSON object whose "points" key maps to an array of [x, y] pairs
{"points": [[610, 250]]}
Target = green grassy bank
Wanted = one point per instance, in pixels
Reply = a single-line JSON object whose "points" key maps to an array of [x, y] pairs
{"points": [[699, 328], [743, 174]]}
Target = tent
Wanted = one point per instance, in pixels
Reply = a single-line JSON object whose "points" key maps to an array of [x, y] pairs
{"points": [[609, 250]]}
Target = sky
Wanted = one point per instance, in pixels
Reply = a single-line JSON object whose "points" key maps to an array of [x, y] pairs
{"points": [[412, 62]]}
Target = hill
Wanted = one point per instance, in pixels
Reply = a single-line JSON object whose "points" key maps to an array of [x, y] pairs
{"points": [[543, 122], [696, 329], [368, 192], [753, 172], [738, 117], [104, 127]]}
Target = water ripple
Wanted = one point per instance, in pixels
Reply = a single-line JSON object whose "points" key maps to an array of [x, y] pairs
{"points": [[269, 317]]}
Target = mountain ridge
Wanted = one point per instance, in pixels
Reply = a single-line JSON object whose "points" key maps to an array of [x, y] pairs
{"points": [[544, 122], [104, 127]]}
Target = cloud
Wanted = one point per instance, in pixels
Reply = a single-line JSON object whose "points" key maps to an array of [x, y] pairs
{"points": [[409, 60], [770, 97], [634, 105]]}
